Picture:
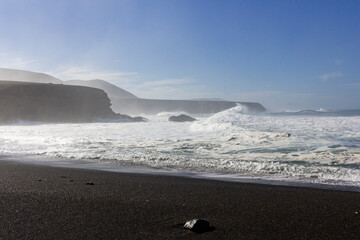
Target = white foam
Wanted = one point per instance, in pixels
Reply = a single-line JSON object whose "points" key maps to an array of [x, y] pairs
{"points": [[296, 148]]}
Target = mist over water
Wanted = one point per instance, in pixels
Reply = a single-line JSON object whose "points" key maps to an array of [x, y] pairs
{"points": [[308, 147]]}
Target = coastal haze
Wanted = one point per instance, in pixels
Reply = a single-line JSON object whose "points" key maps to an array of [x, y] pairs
{"points": [[124, 119], [232, 139], [125, 102]]}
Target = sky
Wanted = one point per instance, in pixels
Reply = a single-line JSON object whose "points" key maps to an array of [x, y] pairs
{"points": [[287, 55]]}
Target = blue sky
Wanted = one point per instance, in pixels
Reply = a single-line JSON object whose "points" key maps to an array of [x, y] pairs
{"points": [[286, 55]]}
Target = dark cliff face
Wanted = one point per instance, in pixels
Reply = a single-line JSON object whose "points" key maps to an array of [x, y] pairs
{"points": [[52, 103]]}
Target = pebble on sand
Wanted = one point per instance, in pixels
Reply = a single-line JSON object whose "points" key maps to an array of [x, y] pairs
{"points": [[197, 225]]}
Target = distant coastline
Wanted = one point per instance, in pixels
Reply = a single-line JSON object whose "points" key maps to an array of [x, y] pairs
{"points": [[154, 106], [125, 102]]}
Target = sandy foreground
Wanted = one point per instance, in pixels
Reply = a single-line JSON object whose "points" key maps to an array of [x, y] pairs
{"points": [[39, 202]]}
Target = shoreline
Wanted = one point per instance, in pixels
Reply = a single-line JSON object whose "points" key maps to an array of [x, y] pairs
{"points": [[40, 160], [41, 202]]}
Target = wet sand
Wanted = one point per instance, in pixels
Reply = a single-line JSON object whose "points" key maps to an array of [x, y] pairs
{"points": [[39, 202]]}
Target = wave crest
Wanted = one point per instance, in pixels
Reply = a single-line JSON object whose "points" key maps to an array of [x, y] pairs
{"points": [[229, 118]]}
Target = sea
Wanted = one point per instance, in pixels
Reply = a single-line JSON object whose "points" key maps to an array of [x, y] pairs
{"points": [[313, 148]]}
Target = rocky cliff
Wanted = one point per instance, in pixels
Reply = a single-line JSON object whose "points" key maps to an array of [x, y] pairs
{"points": [[52, 103]]}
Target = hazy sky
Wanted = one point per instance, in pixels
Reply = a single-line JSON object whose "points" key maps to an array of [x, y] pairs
{"points": [[284, 54]]}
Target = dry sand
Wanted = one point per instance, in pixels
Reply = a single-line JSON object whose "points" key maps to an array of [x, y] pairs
{"points": [[38, 202]]}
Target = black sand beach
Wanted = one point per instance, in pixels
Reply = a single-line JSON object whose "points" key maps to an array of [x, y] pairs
{"points": [[38, 202]]}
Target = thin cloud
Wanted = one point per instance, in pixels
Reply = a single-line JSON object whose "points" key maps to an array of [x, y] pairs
{"points": [[257, 95], [82, 73], [182, 88], [169, 92], [327, 76], [350, 85], [168, 82], [338, 62], [16, 63]]}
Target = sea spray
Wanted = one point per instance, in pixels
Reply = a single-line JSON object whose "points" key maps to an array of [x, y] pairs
{"points": [[298, 148]]}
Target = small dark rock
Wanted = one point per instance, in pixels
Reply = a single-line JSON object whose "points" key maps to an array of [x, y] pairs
{"points": [[39, 180], [197, 225], [182, 118], [129, 118], [90, 183]]}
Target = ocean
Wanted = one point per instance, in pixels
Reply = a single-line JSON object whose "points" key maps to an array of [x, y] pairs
{"points": [[303, 147]]}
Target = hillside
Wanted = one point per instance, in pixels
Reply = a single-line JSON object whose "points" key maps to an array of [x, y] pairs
{"points": [[111, 90], [7, 74]]}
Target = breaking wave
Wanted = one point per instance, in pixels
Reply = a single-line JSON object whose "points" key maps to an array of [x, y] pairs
{"points": [[287, 147]]}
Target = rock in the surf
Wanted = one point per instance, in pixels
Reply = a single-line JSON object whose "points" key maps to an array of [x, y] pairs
{"points": [[182, 118]]}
